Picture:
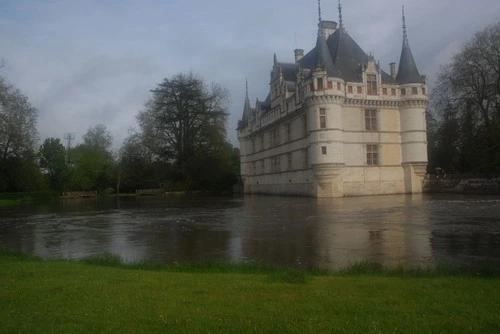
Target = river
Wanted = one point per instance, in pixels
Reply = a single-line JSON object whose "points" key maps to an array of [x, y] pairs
{"points": [[415, 230]]}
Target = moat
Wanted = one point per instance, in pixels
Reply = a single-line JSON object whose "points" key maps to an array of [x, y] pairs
{"points": [[416, 230]]}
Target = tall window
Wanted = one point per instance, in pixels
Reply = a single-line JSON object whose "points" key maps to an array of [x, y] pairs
{"points": [[330, 85], [349, 89], [414, 91], [403, 91], [372, 155], [371, 82], [322, 118], [289, 158], [262, 142], [276, 137], [306, 158], [320, 83], [323, 150], [360, 90], [371, 120], [304, 123]]}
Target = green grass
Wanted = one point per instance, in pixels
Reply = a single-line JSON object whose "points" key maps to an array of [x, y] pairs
{"points": [[104, 295], [9, 202]]}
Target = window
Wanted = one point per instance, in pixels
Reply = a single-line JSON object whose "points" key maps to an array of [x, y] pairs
{"points": [[254, 171], [403, 91], [288, 132], [330, 85], [349, 89], [384, 91], [312, 88], [289, 158], [262, 142], [306, 158], [276, 137], [372, 155], [371, 120], [320, 83], [371, 84], [423, 90], [393, 91], [262, 170], [276, 164], [360, 90], [304, 123], [338, 86], [323, 150], [254, 145], [322, 118], [414, 91]]}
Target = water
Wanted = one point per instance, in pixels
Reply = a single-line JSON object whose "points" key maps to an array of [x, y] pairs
{"points": [[418, 230]]}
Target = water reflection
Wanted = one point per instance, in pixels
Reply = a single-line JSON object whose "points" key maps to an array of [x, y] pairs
{"points": [[331, 233]]}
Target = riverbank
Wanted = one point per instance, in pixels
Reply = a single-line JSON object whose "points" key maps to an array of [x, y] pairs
{"points": [[103, 295]]}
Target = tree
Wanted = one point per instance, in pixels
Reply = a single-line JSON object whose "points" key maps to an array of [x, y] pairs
{"points": [[99, 138], [184, 124], [52, 157], [93, 166], [183, 117], [18, 137], [469, 88], [135, 165]]}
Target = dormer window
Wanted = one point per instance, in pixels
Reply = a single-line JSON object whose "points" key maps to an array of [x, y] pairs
{"points": [[320, 84], [371, 83]]}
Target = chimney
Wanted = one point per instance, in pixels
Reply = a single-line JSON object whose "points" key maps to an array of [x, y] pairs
{"points": [[299, 53], [327, 28], [393, 70]]}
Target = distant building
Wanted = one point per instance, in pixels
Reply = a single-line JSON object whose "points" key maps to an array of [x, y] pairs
{"points": [[335, 124]]}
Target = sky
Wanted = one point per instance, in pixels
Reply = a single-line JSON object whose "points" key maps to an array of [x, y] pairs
{"points": [[84, 62]]}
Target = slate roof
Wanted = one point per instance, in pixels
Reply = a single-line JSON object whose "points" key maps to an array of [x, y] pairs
{"points": [[407, 71]]}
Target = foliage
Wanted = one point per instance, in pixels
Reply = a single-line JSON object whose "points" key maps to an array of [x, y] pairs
{"points": [[92, 165], [467, 96], [18, 137], [52, 157], [183, 128], [136, 167]]}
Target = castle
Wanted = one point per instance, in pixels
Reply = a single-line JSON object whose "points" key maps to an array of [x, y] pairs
{"points": [[335, 124]]}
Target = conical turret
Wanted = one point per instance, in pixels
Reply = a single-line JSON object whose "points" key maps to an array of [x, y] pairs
{"points": [[407, 71]]}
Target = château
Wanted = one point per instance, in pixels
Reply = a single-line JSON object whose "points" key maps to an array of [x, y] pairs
{"points": [[335, 124]]}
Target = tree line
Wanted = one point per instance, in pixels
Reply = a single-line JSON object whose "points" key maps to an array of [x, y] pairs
{"points": [[180, 144], [464, 125]]}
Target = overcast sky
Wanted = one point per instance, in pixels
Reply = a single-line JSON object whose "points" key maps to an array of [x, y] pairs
{"points": [[83, 62]]}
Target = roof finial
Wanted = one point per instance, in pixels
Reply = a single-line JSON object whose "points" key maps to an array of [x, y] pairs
{"points": [[319, 11], [405, 36], [246, 87], [341, 24]]}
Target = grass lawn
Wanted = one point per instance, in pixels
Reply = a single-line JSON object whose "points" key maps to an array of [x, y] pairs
{"points": [[63, 296]]}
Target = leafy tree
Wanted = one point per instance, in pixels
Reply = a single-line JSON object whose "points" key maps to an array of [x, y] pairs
{"points": [[93, 166], [136, 170], [18, 137], [183, 124], [52, 157], [468, 89]]}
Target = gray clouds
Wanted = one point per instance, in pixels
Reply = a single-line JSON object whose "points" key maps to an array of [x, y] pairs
{"points": [[84, 62]]}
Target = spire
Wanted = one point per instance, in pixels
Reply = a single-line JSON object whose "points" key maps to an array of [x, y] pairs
{"points": [[407, 70], [319, 11], [246, 87], [247, 100], [341, 24], [405, 36]]}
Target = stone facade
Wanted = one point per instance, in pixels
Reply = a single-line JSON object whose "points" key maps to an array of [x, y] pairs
{"points": [[335, 124]]}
